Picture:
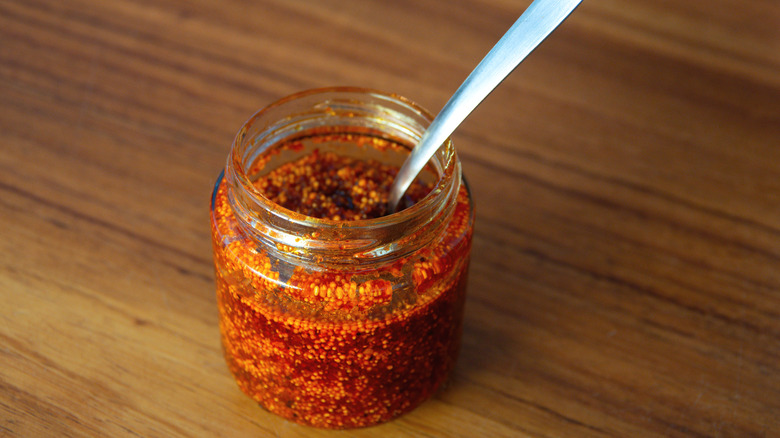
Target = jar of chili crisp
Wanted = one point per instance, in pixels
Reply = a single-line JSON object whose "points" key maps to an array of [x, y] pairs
{"points": [[332, 313]]}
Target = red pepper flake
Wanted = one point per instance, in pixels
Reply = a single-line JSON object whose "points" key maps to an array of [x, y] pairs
{"points": [[338, 348]]}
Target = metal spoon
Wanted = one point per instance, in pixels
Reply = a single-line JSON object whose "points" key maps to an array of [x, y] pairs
{"points": [[533, 26]]}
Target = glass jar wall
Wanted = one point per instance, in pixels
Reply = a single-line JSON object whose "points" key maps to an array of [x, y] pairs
{"points": [[329, 320]]}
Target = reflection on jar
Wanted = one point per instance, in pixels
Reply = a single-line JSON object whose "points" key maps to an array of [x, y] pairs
{"points": [[333, 314]]}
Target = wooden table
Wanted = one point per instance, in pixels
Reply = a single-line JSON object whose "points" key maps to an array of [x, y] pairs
{"points": [[625, 279]]}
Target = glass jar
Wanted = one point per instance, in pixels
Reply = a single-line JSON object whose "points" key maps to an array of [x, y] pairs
{"points": [[339, 323]]}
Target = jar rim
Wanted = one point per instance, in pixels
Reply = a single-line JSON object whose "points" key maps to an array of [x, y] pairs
{"points": [[361, 234]]}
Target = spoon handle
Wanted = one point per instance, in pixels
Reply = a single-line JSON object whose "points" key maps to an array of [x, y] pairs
{"points": [[533, 26]]}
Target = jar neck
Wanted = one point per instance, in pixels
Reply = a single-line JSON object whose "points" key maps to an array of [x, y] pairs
{"points": [[303, 239]]}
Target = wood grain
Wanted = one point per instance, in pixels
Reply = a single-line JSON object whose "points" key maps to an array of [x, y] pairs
{"points": [[626, 265]]}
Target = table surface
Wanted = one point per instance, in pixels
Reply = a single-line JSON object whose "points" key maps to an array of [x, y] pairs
{"points": [[625, 276]]}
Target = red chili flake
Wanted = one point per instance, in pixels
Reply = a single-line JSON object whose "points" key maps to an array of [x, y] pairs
{"points": [[338, 348]]}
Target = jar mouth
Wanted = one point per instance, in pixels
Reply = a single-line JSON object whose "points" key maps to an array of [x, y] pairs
{"points": [[324, 239]]}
